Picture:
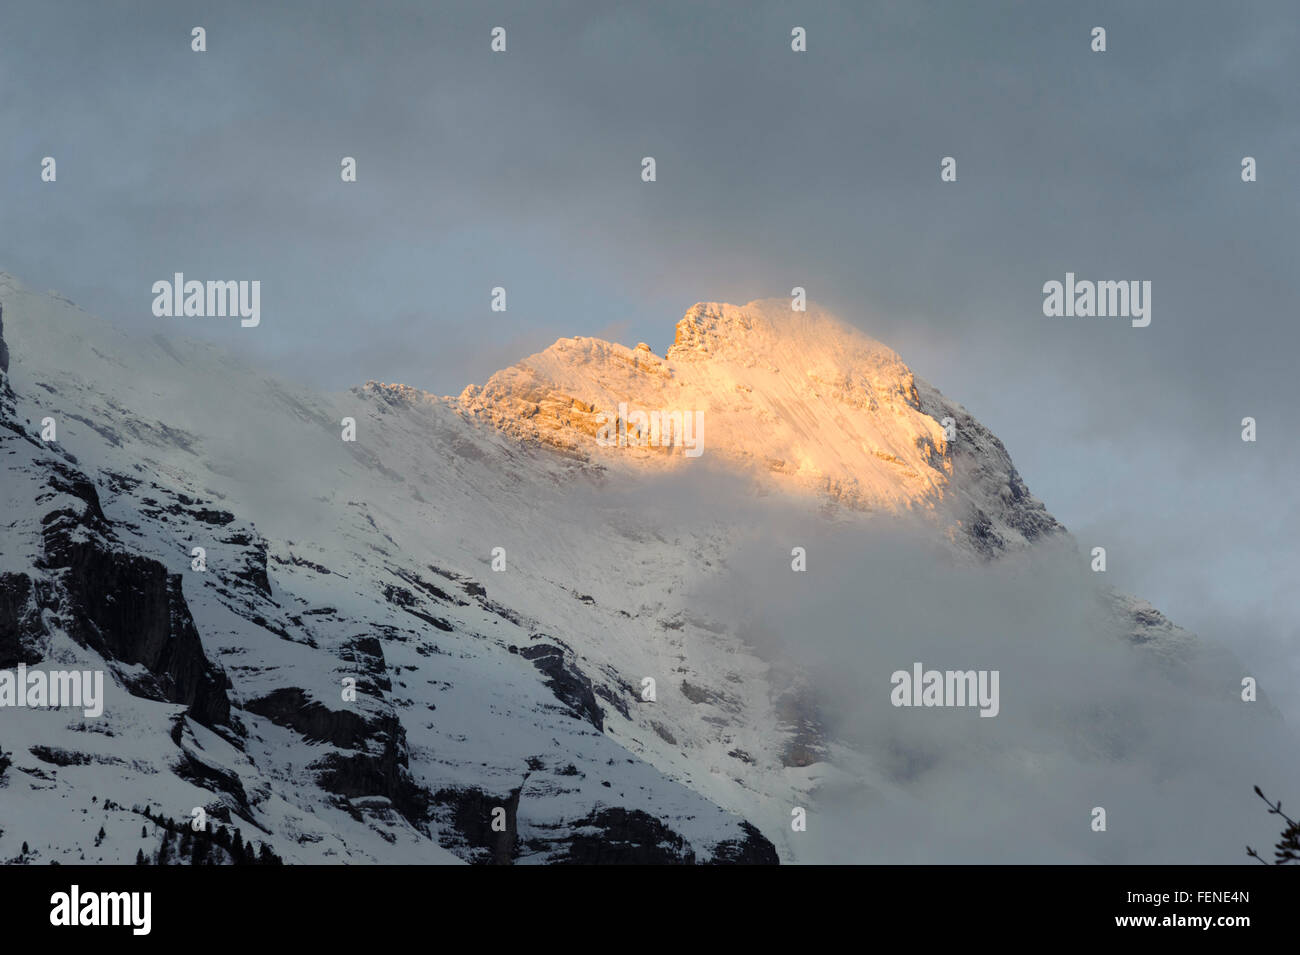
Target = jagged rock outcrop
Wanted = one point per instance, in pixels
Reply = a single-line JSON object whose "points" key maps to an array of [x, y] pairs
{"points": [[801, 400], [569, 684], [374, 760], [129, 608], [20, 621]]}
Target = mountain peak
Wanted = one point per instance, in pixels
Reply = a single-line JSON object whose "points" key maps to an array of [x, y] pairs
{"points": [[770, 328], [801, 399], [801, 402]]}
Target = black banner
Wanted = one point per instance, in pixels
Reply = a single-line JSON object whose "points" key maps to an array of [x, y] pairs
{"points": [[327, 904]]}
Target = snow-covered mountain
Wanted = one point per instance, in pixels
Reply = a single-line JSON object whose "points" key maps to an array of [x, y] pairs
{"points": [[499, 583], [797, 400]]}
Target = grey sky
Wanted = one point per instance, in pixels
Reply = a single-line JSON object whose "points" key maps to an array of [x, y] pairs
{"points": [[775, 169]]}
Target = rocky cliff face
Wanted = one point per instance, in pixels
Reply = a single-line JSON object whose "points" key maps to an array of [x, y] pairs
{"points": [[84, 583], [799, 400]]}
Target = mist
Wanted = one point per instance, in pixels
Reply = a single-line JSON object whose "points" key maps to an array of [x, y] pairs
{"points": [[1159, 738]]}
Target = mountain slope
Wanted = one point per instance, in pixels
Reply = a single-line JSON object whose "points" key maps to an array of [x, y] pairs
{"points": [[499, 585], [461, 707]]}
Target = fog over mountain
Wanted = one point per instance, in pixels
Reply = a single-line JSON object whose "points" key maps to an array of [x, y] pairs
{"points": [[573, 432], [498, 575]]}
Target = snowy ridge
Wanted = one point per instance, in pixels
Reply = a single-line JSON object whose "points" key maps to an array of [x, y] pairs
{"points": [[372, 560]]}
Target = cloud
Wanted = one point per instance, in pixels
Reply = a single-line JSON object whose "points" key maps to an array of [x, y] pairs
{"points": [[1086, 719]]}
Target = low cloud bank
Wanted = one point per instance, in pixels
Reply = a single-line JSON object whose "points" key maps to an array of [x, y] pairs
{"points": [[1086, 719]]}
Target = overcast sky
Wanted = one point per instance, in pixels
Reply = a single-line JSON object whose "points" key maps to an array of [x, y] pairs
{"points": [[775, 169]]}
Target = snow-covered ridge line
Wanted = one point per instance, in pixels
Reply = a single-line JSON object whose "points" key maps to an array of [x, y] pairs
{"points": [[490, 576]]}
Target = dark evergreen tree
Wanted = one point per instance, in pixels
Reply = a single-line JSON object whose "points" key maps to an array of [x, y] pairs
{"points": [[1287, 849]]}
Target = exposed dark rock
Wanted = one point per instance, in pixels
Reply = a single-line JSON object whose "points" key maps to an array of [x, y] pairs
{"points": [[124, 606], [380, 772], [290, 707], [210, 516], [274, 628], [253, 569], [613, 835], [663, 733], [625, 837], [301, 562], [187, 506], [468, 813], [986, 540], [614, 699], [20, 621], [432, 590], [566, 681], [980, 459], [103, 430], [700, 694], [505, 613], [754, 849], [56, 756], [377, 763], [72, 482], [399, 596], [696, 694], [129, 608], [366, 654], [402, 598], [214, 779]]}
